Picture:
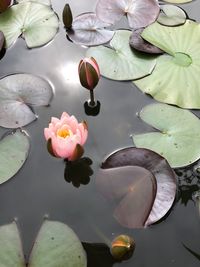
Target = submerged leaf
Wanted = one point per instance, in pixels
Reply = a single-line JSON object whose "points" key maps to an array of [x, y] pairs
{"points": [[14, 149], [57, 245], [114, 186], [120, 62], [88, 30], [138, 43], [11, 253], [178, 139], [139, 13], [36, 22], [17, 93], [175, 79], [171, 16]]}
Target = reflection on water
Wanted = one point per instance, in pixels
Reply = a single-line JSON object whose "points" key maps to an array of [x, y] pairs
{"points": [[69, 73]]}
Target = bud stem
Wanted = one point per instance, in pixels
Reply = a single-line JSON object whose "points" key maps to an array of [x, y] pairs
{"points": [[92, 101]]}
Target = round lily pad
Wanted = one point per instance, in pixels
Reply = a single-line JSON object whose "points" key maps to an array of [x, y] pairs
{"points": [[37, 23], [89, 30], [122, 184], [139, 13], [18, 94], [14, 149], [119, 61], [178, 139], [175, 79], [171, 15]]}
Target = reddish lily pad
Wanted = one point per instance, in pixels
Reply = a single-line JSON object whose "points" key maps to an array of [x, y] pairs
{"points": [[137, 42], [4, 4], [140, 13], [88, 30], [135, 189], [152, 162]]}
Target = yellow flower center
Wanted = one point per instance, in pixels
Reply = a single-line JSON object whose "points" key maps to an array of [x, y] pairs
{"points": [[63, 133]]}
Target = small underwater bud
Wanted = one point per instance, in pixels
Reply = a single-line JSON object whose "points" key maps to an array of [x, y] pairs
{"points": [[67, 16]]}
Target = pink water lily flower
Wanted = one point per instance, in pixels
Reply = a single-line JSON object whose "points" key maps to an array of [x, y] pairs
{"points": [[66, 137]]}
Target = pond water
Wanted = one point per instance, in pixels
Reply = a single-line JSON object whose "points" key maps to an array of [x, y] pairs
{"points": [[40, 189]]}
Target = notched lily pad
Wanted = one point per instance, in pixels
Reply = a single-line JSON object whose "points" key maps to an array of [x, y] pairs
{"points": [[37, 23], [139, 13], [178, 138], [131, 171], [175, 79], [14, 150], [119, 61], [18, 93], [138, 43], [171, 15], [56, 245], [88, 30]]}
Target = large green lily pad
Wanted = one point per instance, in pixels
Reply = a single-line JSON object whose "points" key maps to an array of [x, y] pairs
{"points": [[120, 62], [37, 23], [56, 246], [14, 150], [178, 139], [175, 79]]}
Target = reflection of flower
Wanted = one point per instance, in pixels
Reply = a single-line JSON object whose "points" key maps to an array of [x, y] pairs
{"points": [[89, 73], [66, 137]]}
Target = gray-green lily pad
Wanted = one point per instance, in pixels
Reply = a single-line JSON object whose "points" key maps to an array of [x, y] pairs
{"points": [[18, 93], [57, 245], [178, 138], [37, 23], [178, 1], [171, 15], [119, 61], [175, 79], [14, 149], [44, 2], [11, 253]]}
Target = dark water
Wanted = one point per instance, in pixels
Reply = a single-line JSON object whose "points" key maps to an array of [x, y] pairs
{"points": [[39, 188]]}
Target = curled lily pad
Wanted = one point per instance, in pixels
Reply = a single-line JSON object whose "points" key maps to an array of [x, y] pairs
{"points": [[11, 252], [175, 79], [120, 185], [178, 139], [14, 149], [57, 245], [17, 93], [120, 62], [138, 43], [135, 189], [171, 15], [37, 23], [88, 30], [139, 13]]}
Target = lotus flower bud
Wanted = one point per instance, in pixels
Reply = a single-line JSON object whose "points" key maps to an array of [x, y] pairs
{"points": [[67, 16], [89, 73], [4, 4], [122, 247]]}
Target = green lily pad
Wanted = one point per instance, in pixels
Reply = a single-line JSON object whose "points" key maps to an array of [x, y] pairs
{"points": [[178, 139], [14, 149], [175, 79], [57, 245], [120, 62], [37, 23], [171, 16], [44, 2], [11, 253]]}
